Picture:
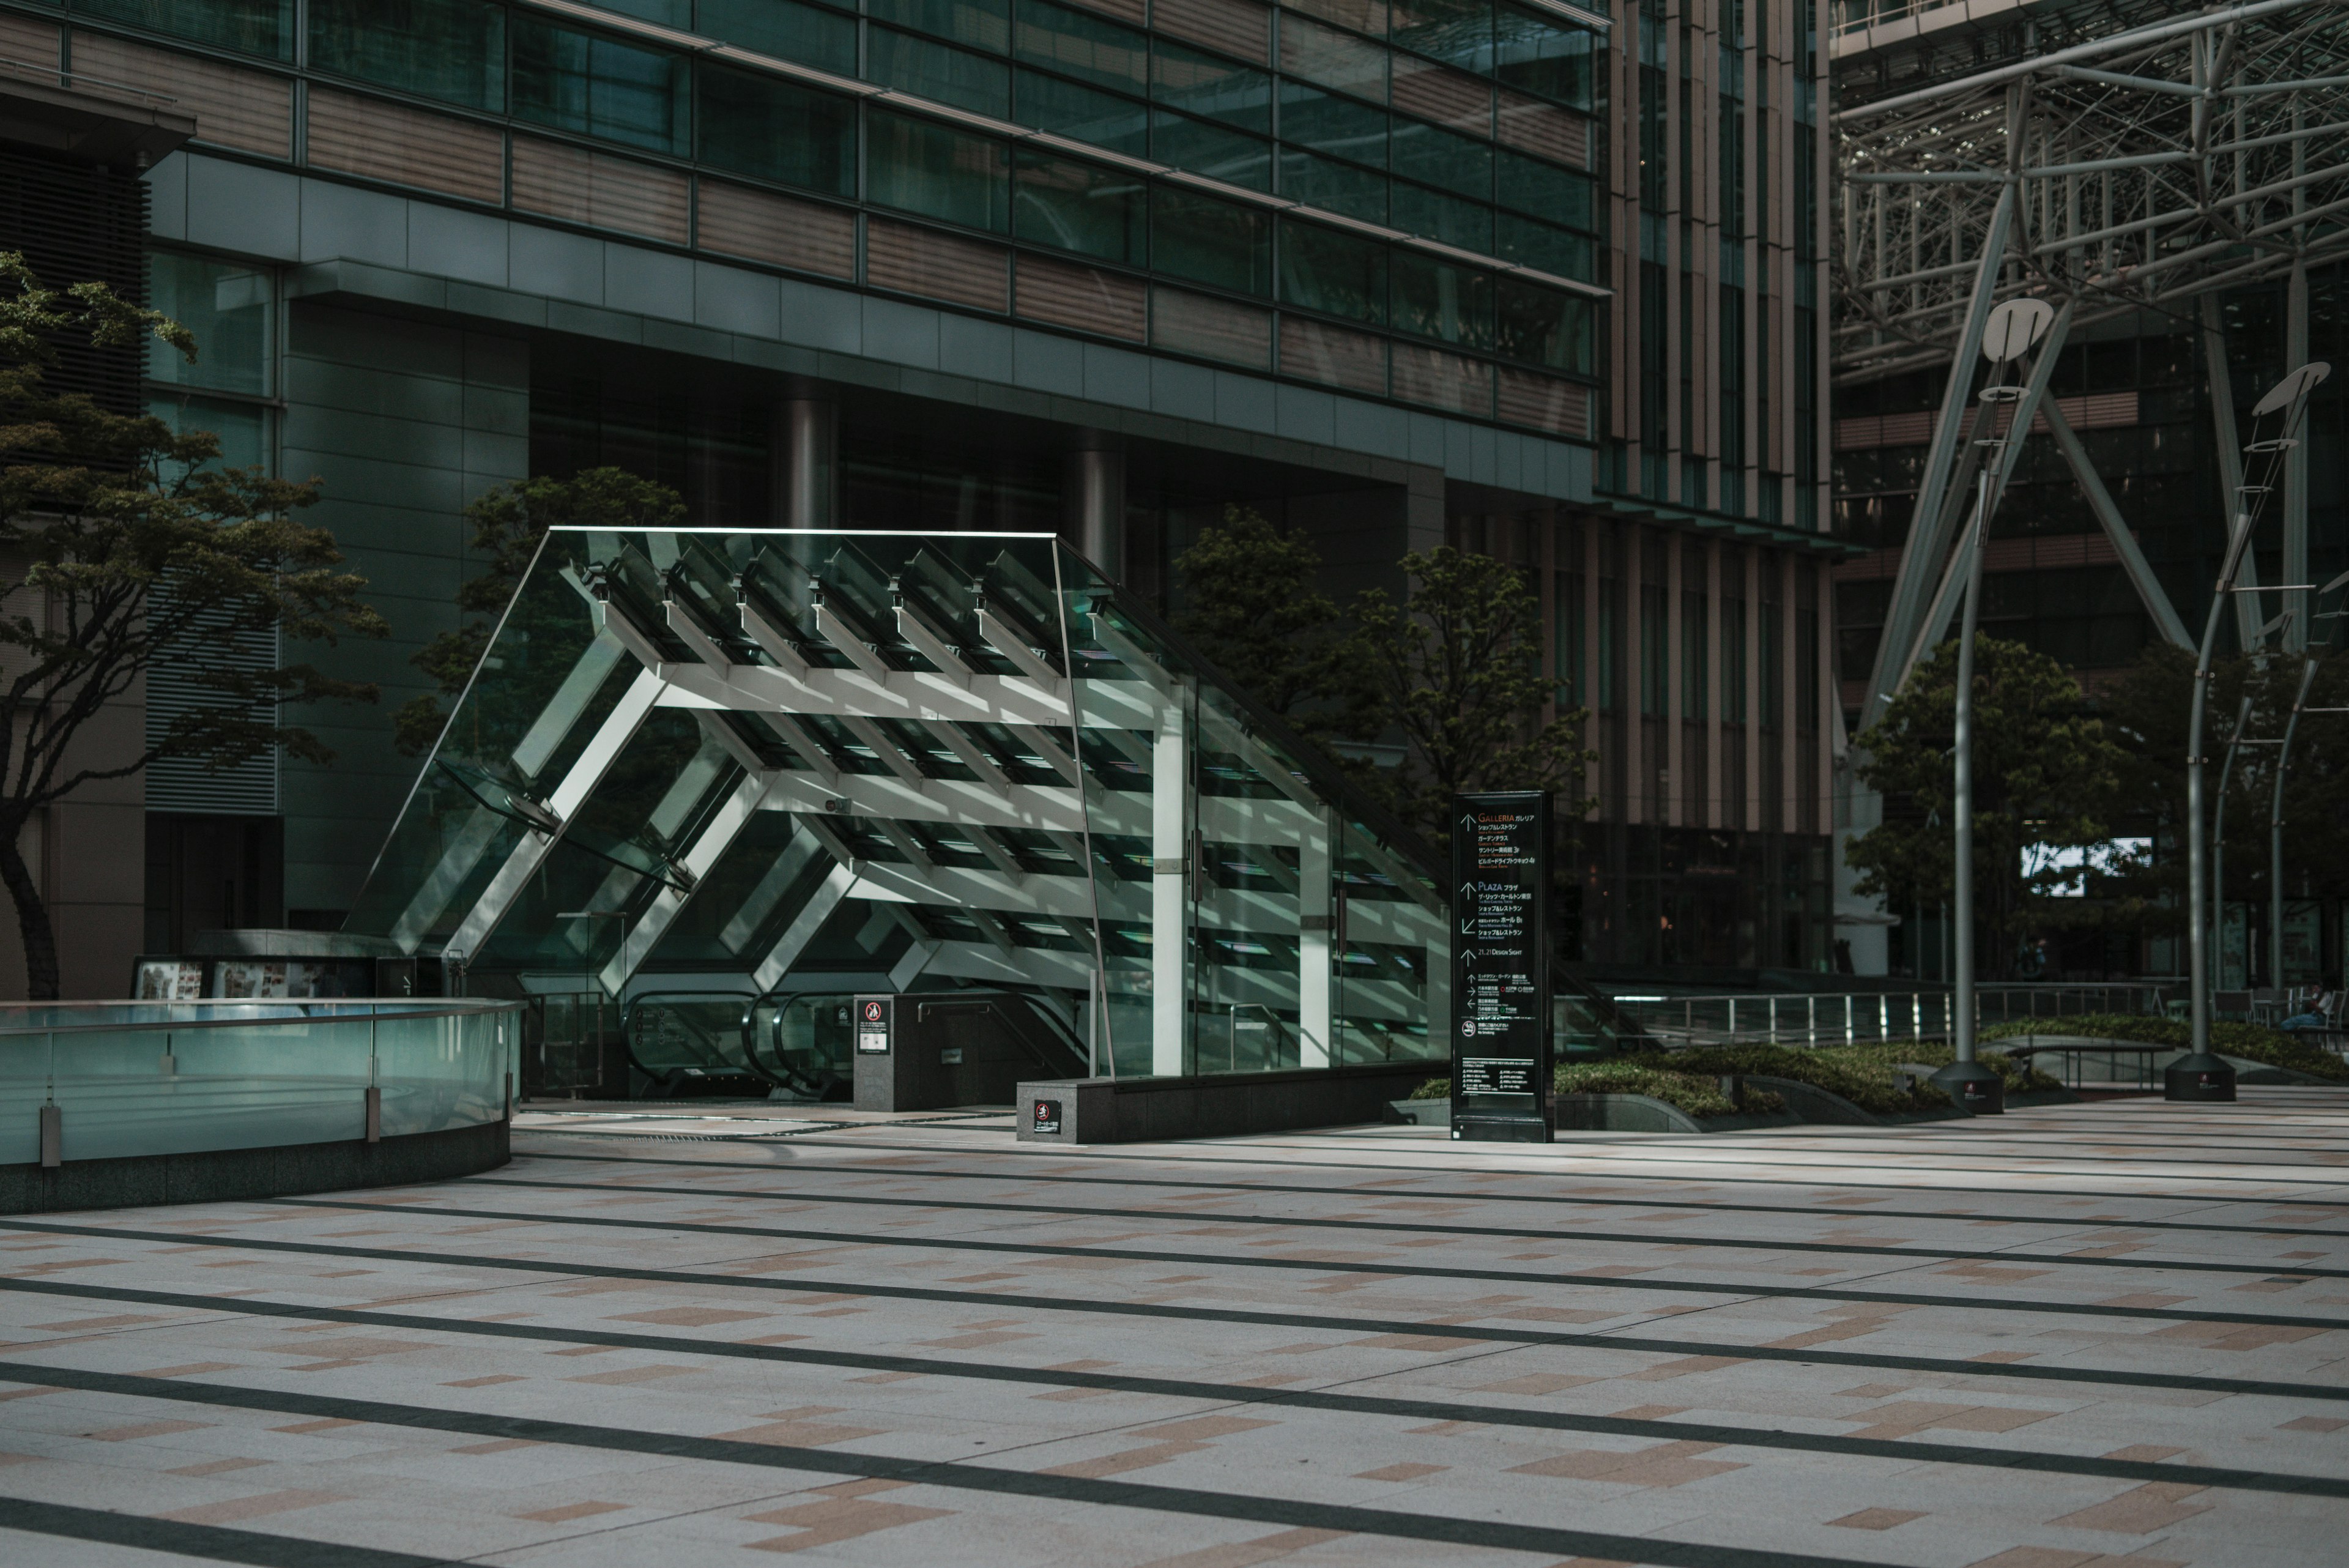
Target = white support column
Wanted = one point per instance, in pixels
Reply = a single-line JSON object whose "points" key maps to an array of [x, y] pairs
{"points": [[1316, 938], [1170, 866], [700, 859], [2220, 381], [803, 928], [1716, 814]]}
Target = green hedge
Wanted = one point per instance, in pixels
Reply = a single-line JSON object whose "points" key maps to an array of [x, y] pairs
{"points": [[2252, 1042], [2018, 1078], [1862, 1075], [1698, 1096]]}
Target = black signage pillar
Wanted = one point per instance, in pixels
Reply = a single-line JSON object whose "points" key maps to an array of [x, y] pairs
{"points": [[1500, 967]]}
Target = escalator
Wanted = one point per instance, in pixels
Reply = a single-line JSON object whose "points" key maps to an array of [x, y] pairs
{"points": [[692, 1045]]}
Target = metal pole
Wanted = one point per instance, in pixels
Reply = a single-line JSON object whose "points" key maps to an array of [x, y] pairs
{"points": [[2218, 851], [2275, 826], [1963, 794]]}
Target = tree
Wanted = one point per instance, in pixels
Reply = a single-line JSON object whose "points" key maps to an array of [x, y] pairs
{"points": [[1251, 605], [121, 547], [1457, 673], [2045, 773], [508, 524]]}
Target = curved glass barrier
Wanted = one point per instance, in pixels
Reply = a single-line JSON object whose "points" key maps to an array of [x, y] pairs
{"points": [[149, 1078]]}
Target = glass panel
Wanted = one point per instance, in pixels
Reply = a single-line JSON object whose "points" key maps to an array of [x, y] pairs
{"points": [[933, 70], [1090, 49], [1203, 85], [1107, 122], [1081, 207], [1545, 190], [1332, 186], [230, 309], [1438, 216], [923, 167], [454, 50], [785, 28], [1537, 245], [1343, 275], [1328, 123], [1543, 327], [1332, 58], [24, 1089], [1211, 242], [1437, 299], [667, 13], [775, 130], [981, 24], [1536, 53], [1453, 163], [598, 86], [242, 428], [1457, 31], [1214, 150], [254, 26]]}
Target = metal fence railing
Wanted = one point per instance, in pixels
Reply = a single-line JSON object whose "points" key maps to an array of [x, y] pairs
{"points": [[1846, 1018]]}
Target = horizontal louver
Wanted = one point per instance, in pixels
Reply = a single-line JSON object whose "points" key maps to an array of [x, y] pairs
{"points": [[405, 146], [601, 192], [1561, 407], [233, 107], [175, 687], [777, 229], [1081, 297], [1211, 328], [1545, 131], [26, 42], [1227, 27], [1123, 10], [1443, 380], [1447, 97], [1333, 356], [937, 265]]}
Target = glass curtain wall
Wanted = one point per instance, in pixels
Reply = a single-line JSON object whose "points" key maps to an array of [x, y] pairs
{"points": [[825, 762]]}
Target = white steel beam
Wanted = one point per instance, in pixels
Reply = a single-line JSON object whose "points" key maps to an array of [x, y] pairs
{"points": [[2149, 590], [803, 929], [700, 858]]}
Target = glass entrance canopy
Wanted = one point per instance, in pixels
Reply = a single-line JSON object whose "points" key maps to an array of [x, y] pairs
{"points": [[781, 762]]}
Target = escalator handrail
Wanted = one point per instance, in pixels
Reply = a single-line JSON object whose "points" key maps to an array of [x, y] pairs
{"points": [[630, 1007]]}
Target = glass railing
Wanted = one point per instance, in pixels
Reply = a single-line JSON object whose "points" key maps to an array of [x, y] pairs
{"points": [[150, 1078], [1852, 1018]]}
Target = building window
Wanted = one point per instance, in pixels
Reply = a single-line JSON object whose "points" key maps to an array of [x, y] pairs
{"points": [[251, 26], [1081, 207], [454, 50], [919, 166], [775, 130], [1337, 273], [787, 30], [1216, 242], [598, 86]]}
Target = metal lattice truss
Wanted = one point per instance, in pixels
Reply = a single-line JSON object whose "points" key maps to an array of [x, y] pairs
{"points": [[2144, 170]]}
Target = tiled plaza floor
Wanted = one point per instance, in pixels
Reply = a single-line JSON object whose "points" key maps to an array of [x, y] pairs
{"points": [[2109, 1334]]}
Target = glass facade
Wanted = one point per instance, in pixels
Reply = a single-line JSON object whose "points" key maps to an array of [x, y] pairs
{"points": [[1472, 127], [823, 763]]}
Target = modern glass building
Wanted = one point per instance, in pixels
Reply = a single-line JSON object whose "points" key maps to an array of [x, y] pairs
{"points": [[1531, 278]]}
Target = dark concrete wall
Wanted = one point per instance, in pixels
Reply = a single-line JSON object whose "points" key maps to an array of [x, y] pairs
{"points": [[1223, 1104], [223, 1175]]}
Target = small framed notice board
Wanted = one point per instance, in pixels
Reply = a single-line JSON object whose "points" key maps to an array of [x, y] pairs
{"points": [[1500, 967]]}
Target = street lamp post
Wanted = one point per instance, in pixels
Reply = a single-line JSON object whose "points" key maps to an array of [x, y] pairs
{"points": [[2199, 1074], [2012, 327]]}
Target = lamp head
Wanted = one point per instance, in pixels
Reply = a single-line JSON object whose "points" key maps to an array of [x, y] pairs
{"points": [[2012, 327], [2292, 388]]}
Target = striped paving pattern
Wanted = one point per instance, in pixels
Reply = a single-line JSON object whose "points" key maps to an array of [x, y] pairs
{"points": [[2108, 1335]]}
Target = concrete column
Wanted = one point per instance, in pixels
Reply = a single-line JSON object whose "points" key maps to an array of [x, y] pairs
{"points": [[1171, 871], [1636, 805], [1753, 559], [1093, 504], [803, 458], [1716, 694], [1789, 679], [1675, 757], [1316, 944]]}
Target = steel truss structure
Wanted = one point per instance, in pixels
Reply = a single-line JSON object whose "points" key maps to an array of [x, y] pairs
{"points": [[2120, 159]]}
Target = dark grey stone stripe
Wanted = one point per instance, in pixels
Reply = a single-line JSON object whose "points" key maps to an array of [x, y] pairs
{"points": [[1360, 1195], [217, 1543], [1905, 1449], [1920, 1253], [1505, 1336], [1308, 1265], [1289, 1513]]}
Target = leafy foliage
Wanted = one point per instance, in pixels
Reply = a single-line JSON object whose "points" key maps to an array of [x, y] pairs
{"points": [[2045, 773], [1251, 607], [1682, 1091], [2252, 1042], [1457, 673], [1865, 1082], [508, 524], [122, 545]]}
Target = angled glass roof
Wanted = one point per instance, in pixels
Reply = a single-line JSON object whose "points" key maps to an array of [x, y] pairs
{"points": [[775, 763]]}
